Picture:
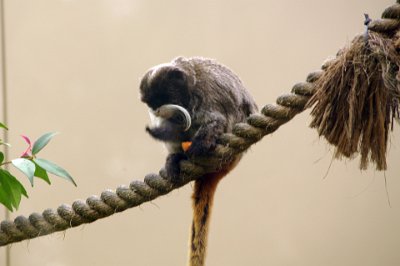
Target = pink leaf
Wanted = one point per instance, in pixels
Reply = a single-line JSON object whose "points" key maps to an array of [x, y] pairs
{"points": [[29, 149], [27, 140]]}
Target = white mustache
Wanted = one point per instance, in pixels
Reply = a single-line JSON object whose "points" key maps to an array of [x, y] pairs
{"points": [[167, 111]]}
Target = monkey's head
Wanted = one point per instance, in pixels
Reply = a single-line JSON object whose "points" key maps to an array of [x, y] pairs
{"points": [[165, 89], [165, 84]]}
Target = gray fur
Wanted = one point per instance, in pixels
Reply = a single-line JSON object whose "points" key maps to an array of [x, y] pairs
{"points": [[212, 94]]}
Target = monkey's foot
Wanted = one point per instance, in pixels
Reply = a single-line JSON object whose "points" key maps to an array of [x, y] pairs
{"points": [[172, 166]]}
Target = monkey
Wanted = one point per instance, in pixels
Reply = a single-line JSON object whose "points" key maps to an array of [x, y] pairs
{"points": [[195, 100]]}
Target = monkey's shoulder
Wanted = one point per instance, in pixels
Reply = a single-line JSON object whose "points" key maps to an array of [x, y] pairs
{"points": [[203, 67]]}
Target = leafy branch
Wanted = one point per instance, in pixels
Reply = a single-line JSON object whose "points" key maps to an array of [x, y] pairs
{"points": [[11, 190]]}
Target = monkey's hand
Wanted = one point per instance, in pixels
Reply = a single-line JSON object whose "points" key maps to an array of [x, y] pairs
{"points": [[205, 139], [164, 133]]}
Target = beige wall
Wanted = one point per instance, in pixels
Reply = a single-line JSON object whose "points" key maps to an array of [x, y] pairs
{"points": [[74, 67]]}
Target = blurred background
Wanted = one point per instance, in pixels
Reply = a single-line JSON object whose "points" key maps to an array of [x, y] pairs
{"points": [[74, 67]]}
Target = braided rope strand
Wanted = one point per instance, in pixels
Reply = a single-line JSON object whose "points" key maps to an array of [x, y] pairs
{"points": [[390, 21]]}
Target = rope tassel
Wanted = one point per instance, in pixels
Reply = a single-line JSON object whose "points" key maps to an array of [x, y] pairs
{"points": [[357, 98]]}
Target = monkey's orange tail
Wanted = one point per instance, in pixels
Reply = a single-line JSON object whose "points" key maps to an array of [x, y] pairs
{"points": [[203, 195]]}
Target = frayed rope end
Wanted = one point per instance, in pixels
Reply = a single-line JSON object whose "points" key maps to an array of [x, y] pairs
{"points": [[357, 98]]}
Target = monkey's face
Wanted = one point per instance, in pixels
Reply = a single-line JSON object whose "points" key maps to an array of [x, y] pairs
{"points": [[165, 84], [165, 90]]}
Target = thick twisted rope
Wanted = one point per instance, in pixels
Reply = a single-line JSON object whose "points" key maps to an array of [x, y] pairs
{"points": [[390, 21], [272, 116], [154, 185]]}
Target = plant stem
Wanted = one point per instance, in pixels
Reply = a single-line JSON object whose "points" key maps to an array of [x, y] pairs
{"points": [[4, 163]]}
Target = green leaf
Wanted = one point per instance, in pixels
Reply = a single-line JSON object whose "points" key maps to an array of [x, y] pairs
{"points": [[54, 169], [6, 197], [11, 190], [26, 167], [41, 142], [1, 157], [3, 126], [42, 174]]}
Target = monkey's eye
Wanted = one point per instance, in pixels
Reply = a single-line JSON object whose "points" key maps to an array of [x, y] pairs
{"points": [[155, 103]]}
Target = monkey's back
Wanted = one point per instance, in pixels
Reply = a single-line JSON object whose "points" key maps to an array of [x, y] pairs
{"points": [[218, 89]]}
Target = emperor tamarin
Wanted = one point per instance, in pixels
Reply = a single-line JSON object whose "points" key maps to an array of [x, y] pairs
{"points": [[195, 100]]}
